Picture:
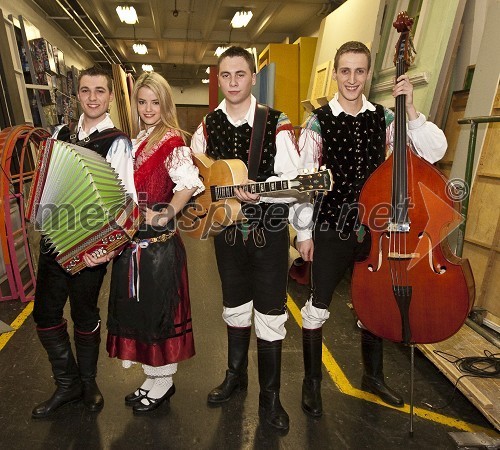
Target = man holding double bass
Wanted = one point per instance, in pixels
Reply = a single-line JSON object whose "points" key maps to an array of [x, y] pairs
{"points": [[352, 137]]}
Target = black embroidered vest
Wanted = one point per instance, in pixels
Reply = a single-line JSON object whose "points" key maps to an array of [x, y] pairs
{"points": [[225, 141], [353, 147], [100, 142]]}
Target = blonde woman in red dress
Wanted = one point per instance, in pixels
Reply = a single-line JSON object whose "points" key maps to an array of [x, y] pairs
{"points": [[149, 317]]}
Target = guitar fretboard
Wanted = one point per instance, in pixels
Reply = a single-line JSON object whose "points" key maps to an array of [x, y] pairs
{"points": [[223, 192]]}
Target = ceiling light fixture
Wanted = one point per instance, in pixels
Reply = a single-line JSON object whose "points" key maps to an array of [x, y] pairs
{"points": [[127, 14], [140, 49], [220, 50], [241, 19], [205, 81], [147, 68], [208, 70]]}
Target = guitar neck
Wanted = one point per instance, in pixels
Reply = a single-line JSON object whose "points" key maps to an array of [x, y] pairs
{"points": [[264, 187]]}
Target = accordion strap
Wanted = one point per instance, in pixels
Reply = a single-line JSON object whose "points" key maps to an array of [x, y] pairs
{"points": [[70, 134]]}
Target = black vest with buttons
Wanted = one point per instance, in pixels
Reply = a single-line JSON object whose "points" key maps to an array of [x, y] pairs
{"points": [[225, 141], [353, 147]]}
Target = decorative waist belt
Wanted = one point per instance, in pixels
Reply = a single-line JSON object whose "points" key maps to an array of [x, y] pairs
{"points": [[161, 238]]}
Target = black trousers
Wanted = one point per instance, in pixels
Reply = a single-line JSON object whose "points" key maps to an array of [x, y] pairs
{"points": [[254, 267], [334, 253], [54, 286]]}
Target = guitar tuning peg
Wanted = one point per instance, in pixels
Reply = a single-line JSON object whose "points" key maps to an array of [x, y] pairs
{"points": [[323, 167], [305, 171]]}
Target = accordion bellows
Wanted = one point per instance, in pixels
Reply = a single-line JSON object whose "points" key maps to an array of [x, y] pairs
{"points": [[77, 201]]}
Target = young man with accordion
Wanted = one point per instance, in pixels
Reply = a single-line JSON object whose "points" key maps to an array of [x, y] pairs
{"points": [[75, 377]]}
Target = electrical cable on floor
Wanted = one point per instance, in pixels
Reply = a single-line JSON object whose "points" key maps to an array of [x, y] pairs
{"points": [[487, 366]]}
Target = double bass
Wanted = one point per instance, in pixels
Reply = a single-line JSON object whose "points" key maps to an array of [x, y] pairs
{"points": [[411, 288]]}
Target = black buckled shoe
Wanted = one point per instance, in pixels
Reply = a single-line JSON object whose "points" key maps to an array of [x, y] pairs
{"points": [[153, 403], [136, 396]]}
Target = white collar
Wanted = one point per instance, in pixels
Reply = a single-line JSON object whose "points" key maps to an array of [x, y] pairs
{"points": [[337, 108], [104, 124], [249, 116]]}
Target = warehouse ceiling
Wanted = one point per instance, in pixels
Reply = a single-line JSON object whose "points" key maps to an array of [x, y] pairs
{"points": [[181, 35]]}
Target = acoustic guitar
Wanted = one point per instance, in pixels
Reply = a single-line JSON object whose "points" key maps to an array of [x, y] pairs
{"points": [[216, 208]]}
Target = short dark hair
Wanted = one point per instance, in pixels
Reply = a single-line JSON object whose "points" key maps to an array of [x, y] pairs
{"points": [[96, 71], [352, 47], [234, 51]]}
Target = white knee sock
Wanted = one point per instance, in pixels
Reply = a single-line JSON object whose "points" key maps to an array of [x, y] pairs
{"points": [[147, 385]]}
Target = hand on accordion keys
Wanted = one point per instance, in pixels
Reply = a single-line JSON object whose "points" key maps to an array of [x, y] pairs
{"points": [[92, 261]]}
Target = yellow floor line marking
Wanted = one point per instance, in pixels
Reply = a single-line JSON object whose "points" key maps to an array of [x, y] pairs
{"points": [[5, 337], [344, 386]]}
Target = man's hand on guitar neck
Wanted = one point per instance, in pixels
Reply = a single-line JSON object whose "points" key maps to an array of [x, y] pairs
{"points": [[244, 196]]}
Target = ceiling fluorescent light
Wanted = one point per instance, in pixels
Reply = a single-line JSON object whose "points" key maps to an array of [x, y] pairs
{"points": [[241, 19], [205, 81], [220, 51], [140, 49], [147, 68], [208, 70], [127, 14]]}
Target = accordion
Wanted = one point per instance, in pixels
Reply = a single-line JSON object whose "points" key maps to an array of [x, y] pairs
{"points": [[77, 201]]}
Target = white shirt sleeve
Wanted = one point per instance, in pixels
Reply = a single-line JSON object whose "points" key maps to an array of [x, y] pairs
{"points": [[120, 158], [182, 170], [310, 143], [428, 140], [198, 141]]}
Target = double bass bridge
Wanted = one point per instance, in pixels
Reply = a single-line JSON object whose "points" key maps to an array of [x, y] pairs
{"points": [[399, 256]]}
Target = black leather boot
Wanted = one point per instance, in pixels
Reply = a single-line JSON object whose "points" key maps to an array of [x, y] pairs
{"points": [[270, 408], [87, 353], [56, 342], [238, 340], [311, 387], [373, 377]]}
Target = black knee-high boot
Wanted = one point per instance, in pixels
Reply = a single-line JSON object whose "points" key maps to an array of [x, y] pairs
{"points": [[238, 341], [87, 353], [373, 377], [311, 387], [56, 342], [270, 408]]}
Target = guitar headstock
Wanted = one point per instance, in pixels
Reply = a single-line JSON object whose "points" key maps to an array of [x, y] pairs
{"points": [[405, 52], [314, 181]]}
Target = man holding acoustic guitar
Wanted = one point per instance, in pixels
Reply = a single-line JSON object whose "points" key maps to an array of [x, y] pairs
{"points": [[252, 257]]}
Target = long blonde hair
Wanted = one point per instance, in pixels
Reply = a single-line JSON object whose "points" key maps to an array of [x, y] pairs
{"points": [[168, 111]]}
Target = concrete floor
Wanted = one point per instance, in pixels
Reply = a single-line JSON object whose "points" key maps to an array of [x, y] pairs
{"points": [[352, 418]]}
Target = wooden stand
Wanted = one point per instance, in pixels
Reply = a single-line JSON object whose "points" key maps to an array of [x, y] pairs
{"points": [[484, 393]]}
